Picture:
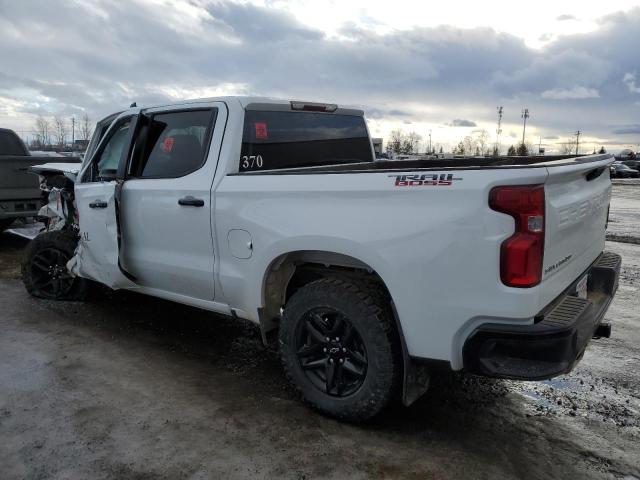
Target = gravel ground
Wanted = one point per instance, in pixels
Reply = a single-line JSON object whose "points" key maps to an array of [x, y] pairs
{"points": [[127, 386]]}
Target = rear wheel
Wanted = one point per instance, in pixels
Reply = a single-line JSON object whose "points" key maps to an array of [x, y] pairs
{"points": [[44, 270], [340, 349]]}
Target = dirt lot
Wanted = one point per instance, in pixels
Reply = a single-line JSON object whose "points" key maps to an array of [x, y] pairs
{"points": [[126, 386]]}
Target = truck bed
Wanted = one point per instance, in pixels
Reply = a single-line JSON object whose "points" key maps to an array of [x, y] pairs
{"points": [[468, 163]]}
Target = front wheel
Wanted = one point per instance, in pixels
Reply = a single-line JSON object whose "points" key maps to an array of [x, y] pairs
{"points": [[44, 268], [340, 349]]}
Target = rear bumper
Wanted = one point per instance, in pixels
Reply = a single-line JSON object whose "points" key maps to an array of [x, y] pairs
{"points": [[556, 341]]}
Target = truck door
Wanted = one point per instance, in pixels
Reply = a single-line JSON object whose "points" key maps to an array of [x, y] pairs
{"points": [[96, 192], [167, 203]]}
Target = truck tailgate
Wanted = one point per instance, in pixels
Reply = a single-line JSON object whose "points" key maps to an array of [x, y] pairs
{"points": [[16, 182], [577, 202]]}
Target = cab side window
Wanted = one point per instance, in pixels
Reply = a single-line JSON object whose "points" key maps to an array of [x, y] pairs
{"points": [[176, 143], [109, 158]]}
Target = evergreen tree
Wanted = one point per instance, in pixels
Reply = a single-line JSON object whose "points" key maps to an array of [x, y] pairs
{"points": [[522, 150]]}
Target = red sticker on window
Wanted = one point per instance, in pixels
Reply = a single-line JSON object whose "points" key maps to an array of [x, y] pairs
{"points": [[167, 145], [261, 130]]}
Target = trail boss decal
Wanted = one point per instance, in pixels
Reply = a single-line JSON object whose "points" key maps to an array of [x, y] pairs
{"points": [[425, 180]]}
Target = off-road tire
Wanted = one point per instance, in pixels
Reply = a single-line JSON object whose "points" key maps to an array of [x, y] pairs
{"points": [[368, 309], [64, 242]]}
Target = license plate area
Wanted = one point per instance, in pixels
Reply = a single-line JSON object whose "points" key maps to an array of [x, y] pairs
{"points": [[581, 287]]}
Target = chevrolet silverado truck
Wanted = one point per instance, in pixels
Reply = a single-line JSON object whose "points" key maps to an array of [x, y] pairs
{"points": [[20, 195], [368, 275]]}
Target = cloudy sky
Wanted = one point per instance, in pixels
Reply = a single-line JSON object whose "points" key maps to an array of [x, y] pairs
{"points": [[420, 66]]}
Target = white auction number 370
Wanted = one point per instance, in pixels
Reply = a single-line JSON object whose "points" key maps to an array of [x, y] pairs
{"points": [[251, 161]]}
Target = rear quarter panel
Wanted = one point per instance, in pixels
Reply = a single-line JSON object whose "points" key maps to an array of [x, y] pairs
{"points": [[435, 247]]}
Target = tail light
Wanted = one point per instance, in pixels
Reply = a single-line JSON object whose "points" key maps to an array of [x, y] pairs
{"points": [[521, 254]]}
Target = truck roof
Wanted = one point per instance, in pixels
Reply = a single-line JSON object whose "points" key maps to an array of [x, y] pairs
{"points": [[245, 100]]}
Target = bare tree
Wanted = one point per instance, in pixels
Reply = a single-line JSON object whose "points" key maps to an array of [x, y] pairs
{"points": [[470, 144], [86, 127], [60, 130], [43, 131], [411, 143], [482, 140], [395, 141], [567, 148]]}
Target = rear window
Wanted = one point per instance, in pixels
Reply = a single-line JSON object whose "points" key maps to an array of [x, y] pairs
{"points": [[276, 140], [10, 145]]}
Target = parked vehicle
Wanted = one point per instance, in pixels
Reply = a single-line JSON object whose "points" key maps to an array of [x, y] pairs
{"points": [[621, 170], [20, 195], [633, 164], [368, 274]]}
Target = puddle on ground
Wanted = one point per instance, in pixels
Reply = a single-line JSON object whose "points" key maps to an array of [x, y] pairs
{"points": [[539, 391]]}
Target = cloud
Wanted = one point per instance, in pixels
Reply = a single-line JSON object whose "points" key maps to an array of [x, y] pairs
{"points": [[460, 122], [109, 54], [629, 80], [627, 129], [565, 17], [384, 113], [551, 137], [575, 93]]}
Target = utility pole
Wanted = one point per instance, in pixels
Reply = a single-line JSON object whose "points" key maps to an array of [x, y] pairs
{"points": [[73, 133], [525, 115], [430, 142], [577, 134], [498, 130]]}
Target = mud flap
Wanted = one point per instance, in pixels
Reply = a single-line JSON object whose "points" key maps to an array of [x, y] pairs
{"points": [[416, 381], [416, 378]]}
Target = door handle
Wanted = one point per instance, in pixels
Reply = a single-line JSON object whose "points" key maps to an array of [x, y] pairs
{"points": [[98, 204], [191, 202]]}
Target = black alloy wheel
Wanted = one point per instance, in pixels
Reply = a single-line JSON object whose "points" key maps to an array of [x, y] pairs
{"points": [[49, 273], [44, 267], [331, 352], [340, 348]]}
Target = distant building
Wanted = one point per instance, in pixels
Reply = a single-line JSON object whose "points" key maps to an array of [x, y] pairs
{"points": [[377, 146]]}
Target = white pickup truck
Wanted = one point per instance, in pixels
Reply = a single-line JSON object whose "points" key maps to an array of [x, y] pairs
{"points": [[368, 273]]}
